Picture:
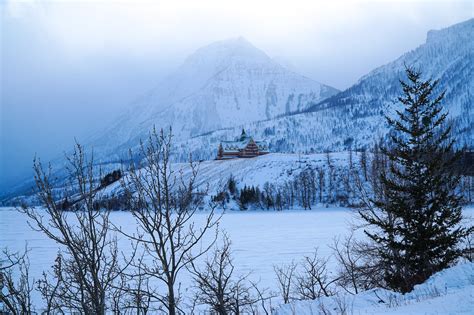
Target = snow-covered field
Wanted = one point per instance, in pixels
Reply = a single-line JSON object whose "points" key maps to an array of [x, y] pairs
{"points": [[261, 240]]}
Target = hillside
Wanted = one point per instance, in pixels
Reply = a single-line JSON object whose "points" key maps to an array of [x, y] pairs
{"points": [[274, 168]]}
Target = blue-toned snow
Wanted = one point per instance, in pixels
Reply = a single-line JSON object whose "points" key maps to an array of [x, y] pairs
{"points": [[260, 240]]}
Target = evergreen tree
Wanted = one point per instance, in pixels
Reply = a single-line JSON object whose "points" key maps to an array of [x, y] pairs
{"points": [[415, 222], [232, 185]]}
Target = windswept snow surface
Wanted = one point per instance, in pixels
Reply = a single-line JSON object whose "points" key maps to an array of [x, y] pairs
{"points": [[262, 239]]}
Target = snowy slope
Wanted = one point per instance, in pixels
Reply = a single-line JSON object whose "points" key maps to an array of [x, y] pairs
{"points": [[275, 168], [356, 116], [450, 291], [224, 84]]}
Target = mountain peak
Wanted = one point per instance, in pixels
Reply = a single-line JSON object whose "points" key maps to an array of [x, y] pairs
{"points": [[222, 51], [232, 43]]}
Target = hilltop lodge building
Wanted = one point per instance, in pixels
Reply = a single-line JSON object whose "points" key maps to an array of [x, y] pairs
{"points": [[243, 147]]}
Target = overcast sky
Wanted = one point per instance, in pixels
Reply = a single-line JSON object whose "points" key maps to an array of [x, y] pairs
{"points": [[68, 66]]}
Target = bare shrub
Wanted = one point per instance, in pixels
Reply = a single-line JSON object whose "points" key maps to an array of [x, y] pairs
{"points": [[16, 284], [313, 280], [135, 293], [285, 278], [222, 291], [342, 305], [88, 266], [357, 271], [468, 250]]}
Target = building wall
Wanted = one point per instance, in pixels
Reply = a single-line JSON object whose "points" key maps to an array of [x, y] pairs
{"points": [[250, 150]]}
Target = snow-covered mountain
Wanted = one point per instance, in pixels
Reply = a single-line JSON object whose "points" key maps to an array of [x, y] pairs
{"points": [[221, 85], [356, 116], [231, 85]]}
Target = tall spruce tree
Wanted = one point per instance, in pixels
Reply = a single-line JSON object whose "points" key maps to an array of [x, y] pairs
{"points": [[415, 222]]}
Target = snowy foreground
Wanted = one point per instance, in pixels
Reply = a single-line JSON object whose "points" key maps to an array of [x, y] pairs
{"points": [[450, 291], [261, 240]]}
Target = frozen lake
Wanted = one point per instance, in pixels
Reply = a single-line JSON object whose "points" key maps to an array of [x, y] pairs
{"points": [[260, 240]]}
